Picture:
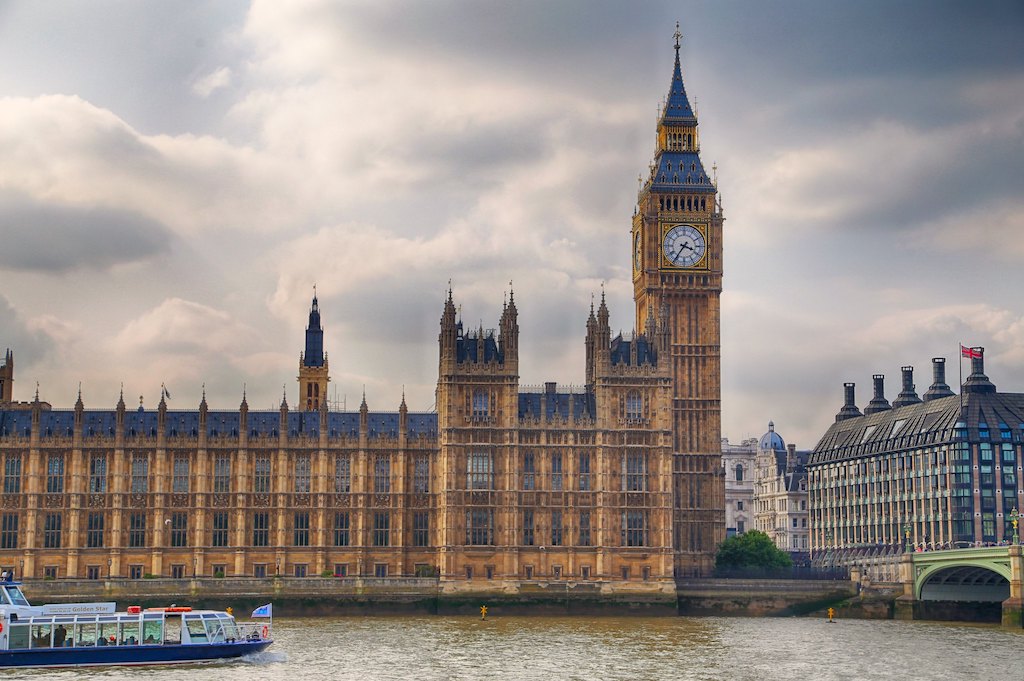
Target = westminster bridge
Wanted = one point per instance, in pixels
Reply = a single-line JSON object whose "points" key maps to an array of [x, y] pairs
{"points": [[990, 574]]}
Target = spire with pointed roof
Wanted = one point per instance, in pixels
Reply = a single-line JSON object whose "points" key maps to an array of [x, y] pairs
{"points": [[677, 106], [314, 354]]}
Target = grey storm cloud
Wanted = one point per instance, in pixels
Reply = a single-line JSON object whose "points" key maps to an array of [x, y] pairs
{"points": [[53, 238], [29, 345]]}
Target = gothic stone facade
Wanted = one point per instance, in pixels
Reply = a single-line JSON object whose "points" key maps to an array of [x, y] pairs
{"points": [[620, 481], [500, 486]]}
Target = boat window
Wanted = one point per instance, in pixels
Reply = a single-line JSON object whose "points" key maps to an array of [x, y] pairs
{"points": [[172, 629], [15, 596], [196, 630], [108, 632], [230, 630], [19, 637], [85, 634], [214, 630], [41, 635], [153, 630], [129, 632], [62, 632]]}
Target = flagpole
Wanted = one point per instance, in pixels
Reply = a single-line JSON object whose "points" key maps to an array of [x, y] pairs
{"points": [[961, 365]]}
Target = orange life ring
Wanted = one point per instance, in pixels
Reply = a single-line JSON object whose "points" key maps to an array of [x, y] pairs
{"points": [[1, 626], [178, 609], [266, 631]]}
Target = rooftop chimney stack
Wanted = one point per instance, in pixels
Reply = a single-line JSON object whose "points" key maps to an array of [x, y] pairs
{"points": [[909, 394], [849, 409], [878, 402], [978, 382], [938, 387]]}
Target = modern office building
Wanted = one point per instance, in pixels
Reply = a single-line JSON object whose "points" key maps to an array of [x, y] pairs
{"points": [[941, 470]]}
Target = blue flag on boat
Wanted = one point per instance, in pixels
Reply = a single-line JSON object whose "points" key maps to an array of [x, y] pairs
{"points": [[263, 610]]}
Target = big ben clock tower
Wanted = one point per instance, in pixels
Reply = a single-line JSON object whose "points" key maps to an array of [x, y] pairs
{"points": [[677, 272]]}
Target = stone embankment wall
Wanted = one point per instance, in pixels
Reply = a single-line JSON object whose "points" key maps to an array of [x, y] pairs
{"points": [[367, 596], [359, 596], [761, 597]]}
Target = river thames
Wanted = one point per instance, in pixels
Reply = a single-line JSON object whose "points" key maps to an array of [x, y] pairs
{"points": [[549, 648]]}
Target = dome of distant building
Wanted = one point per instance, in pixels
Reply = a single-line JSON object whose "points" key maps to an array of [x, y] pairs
{"points": [[771, 440]]}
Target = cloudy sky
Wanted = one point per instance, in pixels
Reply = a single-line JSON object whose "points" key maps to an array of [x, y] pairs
{"points": [[176, 176]]}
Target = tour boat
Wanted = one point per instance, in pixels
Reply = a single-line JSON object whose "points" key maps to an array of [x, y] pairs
{"points": [[89, 634]]}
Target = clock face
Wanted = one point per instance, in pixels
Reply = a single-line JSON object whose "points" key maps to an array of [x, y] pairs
{"points": [[638, 249], [684, 246]]}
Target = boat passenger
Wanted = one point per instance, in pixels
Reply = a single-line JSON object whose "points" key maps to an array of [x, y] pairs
{"points": [[101, 641], [59, 635]]}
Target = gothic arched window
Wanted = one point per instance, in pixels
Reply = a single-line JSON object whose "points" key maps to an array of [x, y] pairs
{"points": [[634, 406]]}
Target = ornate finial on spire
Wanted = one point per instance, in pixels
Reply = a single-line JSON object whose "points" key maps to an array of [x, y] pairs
{"points": [[314, 289], [79, 390], [204, 391], [678, 36], [714, 166], [243, 391]]}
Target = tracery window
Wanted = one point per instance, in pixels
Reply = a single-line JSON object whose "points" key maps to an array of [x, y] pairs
{"points": [[261, 528], [382, 528], [222, 474], [634, 406], [55, 474], [261, 474], [529, 470], [94, 531], [634, 472], [634, 528], [9, 531], [421, 475], [556, 471], [179, 528], [480, 473], [481, 404], [180, 482], [585, 476], [301, 529], [140, 473], [480, 527], [342, 474], [12, 474], [220, 529], [137, 530], [302, 466], [382, 476], [98, 473]]}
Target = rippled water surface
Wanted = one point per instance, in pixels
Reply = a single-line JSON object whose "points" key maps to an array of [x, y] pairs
{"points": [[605, 648]]}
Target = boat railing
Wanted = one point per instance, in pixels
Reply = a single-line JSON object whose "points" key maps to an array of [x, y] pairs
{"points": [[254, 631]]}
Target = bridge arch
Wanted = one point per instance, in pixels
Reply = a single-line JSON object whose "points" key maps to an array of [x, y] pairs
{"points": [[963, 581]]}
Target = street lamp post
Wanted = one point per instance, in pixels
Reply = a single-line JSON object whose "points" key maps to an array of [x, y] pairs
{"points": [[906, 532], [109, 563], [1015, 519]]}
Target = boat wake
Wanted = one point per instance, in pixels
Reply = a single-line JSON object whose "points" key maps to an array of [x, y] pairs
{"points": [[264, 657]]}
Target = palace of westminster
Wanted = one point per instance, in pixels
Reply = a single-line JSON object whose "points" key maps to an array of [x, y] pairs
{"points": [[619, 482]]}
